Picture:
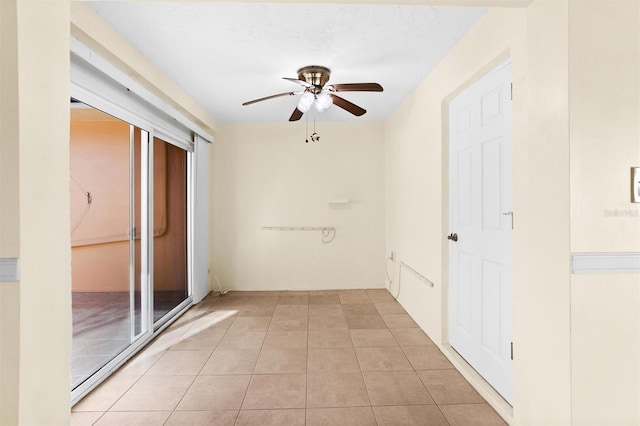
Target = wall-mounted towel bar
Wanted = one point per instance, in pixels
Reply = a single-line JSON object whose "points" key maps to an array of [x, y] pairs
{"points": [[328, 232], [416, 273]]}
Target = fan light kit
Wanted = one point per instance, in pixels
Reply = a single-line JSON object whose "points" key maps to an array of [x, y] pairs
{"points": [[314, 79]]}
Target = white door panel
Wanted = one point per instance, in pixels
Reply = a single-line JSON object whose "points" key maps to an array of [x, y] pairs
{"points": [[480, 195]]}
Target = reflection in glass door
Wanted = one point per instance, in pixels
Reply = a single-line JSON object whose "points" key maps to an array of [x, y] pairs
{"points": [[170, 272], [106, 157], [130, 195]]}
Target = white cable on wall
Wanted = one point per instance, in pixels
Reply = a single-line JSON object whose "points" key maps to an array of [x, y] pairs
{"points": [[220, 291], [389, 279], [328, 234]]}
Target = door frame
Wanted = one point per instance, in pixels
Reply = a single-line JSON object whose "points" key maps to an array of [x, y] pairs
{"points": [[468, 372], [101, 84], [151, 328]]}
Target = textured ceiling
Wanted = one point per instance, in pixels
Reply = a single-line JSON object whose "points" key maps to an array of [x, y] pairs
{"points": [[223, 54]]}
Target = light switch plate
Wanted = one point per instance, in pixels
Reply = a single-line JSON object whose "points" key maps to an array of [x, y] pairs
{"points": [[9, 270], [635, 184]]}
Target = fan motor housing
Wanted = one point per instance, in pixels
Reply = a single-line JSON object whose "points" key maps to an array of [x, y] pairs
{"points": [[315, 74]]}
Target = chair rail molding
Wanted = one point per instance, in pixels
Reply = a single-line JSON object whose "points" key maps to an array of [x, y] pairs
{"points": [[605, 263]]}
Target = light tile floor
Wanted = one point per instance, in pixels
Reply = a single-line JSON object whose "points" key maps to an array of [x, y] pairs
{"points": [[102, 327], [351, 357]]}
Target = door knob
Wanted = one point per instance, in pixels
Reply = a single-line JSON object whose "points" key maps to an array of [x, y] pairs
{"points": [[453, 237]]}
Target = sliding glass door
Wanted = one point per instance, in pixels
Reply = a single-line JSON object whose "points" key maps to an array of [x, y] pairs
{"points": [[130, 239], [106, 256]]}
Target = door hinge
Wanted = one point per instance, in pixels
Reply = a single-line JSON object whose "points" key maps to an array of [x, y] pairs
{"points": [[511, 91], [512, 351], [509, 214]]}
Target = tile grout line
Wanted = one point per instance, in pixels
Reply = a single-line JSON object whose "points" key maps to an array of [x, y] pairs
{"points": [[306, 405], [205, 363], [361, 372], [246, 391], [125, 392], [306, 371]]}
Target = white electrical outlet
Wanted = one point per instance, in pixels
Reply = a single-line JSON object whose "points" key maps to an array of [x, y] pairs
{"points": [[635, 184]]}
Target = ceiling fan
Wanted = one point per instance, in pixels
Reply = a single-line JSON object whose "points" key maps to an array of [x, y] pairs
{"points": [[314, 79]]}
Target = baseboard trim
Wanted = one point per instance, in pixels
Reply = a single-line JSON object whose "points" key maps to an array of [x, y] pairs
{"points": [[9, 270], [605, 263], [493, 398]]}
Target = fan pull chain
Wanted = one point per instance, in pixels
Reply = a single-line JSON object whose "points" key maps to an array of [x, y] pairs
{"points": [[314, 136]]}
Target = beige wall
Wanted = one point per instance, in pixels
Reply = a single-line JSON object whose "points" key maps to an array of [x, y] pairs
{"points": [[605, 349], [541, 205], [35, 127], [605, 125], [9, 352], [9, 212], [45, 285], [605, 143], [535, 40], [264, 174]]}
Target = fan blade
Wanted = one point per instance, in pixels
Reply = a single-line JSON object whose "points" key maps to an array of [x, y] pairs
{"points": [[347, 106], [300, 82], [297, 114], [355, 87], [270, 97]]}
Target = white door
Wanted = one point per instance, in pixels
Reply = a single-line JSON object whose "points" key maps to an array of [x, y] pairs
{"points": [[481, 217]]}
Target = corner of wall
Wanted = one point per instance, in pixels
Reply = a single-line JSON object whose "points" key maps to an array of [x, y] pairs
{"points": [[45, 254], [541, 203]]}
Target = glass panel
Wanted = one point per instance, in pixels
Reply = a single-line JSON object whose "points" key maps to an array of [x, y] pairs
{"points": [[103, 171], [136, 272], [170, 281]]}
